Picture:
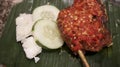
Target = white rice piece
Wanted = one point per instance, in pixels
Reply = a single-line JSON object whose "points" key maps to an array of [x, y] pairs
{"points": [[24, 26], [31, 49], [36, 59]]}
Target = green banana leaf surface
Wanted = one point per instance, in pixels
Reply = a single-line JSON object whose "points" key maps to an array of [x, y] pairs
{"points": [[12, 54]]}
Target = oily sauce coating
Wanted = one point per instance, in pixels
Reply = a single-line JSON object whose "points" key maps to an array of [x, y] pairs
{"points": [[82, 26]]}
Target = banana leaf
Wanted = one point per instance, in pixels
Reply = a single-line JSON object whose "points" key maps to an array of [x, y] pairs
{"points": [[12, 54]]}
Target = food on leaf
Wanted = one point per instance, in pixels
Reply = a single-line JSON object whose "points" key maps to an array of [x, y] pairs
{"points": [[46, 34], [82, 26], [38, 30]]}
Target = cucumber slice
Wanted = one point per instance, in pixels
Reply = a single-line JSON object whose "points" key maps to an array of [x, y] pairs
{"points": [[45, 12], [47, 34]]}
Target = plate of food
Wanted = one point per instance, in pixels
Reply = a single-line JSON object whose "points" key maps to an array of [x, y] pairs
{"points": [[61, 33]]}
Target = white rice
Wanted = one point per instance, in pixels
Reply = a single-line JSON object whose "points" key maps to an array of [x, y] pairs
{"points": [[23, 26], [31, 49]]}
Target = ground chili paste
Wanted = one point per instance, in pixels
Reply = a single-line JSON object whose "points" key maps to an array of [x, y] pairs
{"points": [[82, 26]]}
